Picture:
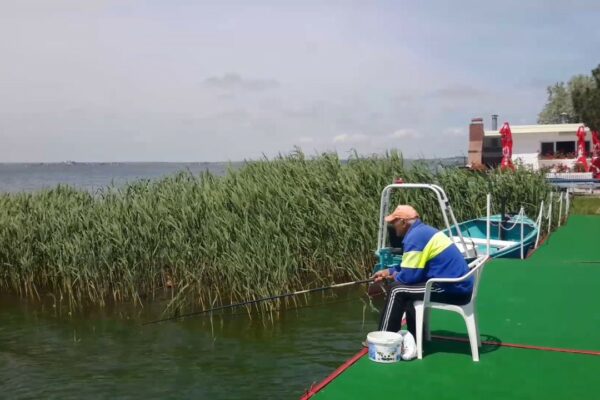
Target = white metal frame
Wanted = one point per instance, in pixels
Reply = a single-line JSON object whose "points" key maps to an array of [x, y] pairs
{"points": [[539, 221], [443, 202], [550, 212], [564, 197], [488, 221], [560, 208], [522, 216]]}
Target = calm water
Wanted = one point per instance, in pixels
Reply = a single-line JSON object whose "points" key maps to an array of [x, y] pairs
{"points": [[92, 176], [51, 355], [44, 355], [31, 177]]}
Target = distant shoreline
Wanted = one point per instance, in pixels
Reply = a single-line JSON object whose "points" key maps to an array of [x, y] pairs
{"points": [[442, 159], [91, 176]]}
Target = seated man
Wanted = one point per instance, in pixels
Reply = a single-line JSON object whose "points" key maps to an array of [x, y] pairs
{"points": [[428, 253]]}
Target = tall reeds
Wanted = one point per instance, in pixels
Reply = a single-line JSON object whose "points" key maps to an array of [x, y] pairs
{"points": [[200, 240]]}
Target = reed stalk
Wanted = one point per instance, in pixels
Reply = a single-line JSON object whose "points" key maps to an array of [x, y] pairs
{"points": [[198, 241]]}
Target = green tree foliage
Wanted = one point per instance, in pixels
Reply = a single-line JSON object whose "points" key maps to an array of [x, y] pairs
{"points": [[560, 100], [586, 100]]}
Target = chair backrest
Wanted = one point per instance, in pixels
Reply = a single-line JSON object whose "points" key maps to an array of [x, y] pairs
{"points": [[476, 268]]}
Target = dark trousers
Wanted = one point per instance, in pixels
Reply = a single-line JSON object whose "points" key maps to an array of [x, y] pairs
{"points": [[400, 299]]}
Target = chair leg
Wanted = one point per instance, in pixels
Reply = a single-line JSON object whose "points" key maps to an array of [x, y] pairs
{"points": [[477, 330], [426, 324], [473, 335], [419, 322]]}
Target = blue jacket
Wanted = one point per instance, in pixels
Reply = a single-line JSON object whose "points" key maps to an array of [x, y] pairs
{"points": [[429, 253]]}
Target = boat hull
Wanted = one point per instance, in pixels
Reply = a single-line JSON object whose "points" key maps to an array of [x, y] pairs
{"points": [[505, 236]]}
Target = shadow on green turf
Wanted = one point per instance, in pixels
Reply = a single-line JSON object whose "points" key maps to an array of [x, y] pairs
{"points": [[448, 346]]}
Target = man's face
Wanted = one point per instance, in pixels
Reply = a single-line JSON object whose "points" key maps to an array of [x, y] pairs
{"points": [[400, 226]]}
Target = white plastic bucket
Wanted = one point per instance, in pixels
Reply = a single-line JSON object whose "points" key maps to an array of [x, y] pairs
{"points": [[384, 347]]}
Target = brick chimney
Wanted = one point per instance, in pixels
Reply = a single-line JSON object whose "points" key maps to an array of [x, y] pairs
{"points": [[476, 141]]}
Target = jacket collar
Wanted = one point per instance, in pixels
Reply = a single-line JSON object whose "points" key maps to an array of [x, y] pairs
{"points": [[414, 224]]}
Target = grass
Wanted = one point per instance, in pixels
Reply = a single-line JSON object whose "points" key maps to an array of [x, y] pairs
{"points": [[586, 205], [196, 241]]}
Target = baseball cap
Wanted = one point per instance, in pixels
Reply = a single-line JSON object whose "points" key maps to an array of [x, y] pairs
{"points": [[403, 211]]}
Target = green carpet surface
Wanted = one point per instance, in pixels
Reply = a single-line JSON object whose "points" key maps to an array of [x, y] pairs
{"points": [[551, 299]]}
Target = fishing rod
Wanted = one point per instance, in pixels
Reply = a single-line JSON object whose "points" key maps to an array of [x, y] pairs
{"points": [[250, 302]]}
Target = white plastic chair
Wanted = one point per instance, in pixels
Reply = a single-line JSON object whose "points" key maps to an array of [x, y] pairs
{"points": [[467, 311]]}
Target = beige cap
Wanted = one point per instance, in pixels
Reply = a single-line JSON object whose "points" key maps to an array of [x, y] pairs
{"points": [[402, 212]]}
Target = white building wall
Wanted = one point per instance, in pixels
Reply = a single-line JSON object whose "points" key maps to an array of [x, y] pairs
{"points": [[527, 146], [531, 142], [530, 160], [527, 140]]}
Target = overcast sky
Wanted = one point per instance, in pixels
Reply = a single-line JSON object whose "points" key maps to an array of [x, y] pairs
{"points": [[190, 80]]}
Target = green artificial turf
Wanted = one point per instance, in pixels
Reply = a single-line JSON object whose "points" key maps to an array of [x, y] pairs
{"points": [[449, 373], [550, 299], [577, 240]]}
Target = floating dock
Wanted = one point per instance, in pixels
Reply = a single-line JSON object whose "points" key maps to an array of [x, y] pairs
{"points": [[540, 325]]}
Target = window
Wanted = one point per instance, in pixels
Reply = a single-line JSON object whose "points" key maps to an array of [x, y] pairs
{"points": [[547, 148], [492, 144], [566, 148], [587, 147]]}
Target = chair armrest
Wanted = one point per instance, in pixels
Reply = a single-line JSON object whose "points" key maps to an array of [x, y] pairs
{"points": [[474, 265]]}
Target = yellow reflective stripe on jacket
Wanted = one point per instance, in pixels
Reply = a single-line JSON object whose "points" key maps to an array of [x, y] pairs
{"points": [[412, 259], [438, 243]]}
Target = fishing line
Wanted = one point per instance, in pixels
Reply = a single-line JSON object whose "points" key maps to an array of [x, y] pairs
{"points": [[237, 314], [251, 302]]}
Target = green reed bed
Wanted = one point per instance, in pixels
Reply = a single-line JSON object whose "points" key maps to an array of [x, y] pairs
{"points": [[196, 241]]}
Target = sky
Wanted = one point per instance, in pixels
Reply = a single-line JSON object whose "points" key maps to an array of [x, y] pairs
{"points": [[227, 80]]}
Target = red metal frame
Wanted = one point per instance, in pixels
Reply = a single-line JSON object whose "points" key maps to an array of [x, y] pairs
{"points": [[315, 389], [520, 346]]}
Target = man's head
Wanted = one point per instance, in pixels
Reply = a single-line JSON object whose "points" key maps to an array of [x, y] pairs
{"points": [[402, 218]]}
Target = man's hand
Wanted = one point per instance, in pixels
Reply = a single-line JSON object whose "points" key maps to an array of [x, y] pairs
{"points": [[381, 275]]}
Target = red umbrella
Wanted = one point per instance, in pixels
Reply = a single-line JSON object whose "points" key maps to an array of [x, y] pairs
{"points": [[506, 147], [581, 153], [595, 167]]}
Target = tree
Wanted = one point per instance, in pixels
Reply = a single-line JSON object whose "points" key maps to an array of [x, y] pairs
{"points": [[586, 100], [560, 101]]}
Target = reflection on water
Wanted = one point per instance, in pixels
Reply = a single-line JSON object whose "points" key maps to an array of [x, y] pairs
{"points": [[47, 356]]}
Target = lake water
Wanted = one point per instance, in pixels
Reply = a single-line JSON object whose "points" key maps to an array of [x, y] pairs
{"points": [[49, 354], [92, 176], [44, 354]]}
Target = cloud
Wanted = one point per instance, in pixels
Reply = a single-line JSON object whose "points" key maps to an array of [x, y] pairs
{"points": [[305, 140], [232, 81], [238, 81], [455, 132], [403, 134], [350, 138], [457, 91]]}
